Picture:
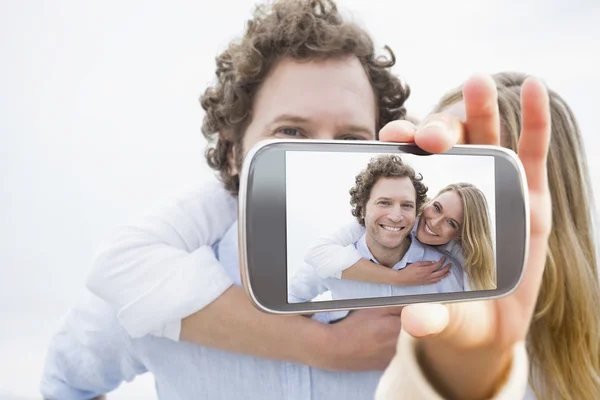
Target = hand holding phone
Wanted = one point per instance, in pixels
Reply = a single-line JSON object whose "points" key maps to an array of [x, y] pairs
{"points": [[466, 347]]}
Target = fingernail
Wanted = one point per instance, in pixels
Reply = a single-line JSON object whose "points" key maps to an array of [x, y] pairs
{"points": [[436, 125], [437, 318], [407, 124]]}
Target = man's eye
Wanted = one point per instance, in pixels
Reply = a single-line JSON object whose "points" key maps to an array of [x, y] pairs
{"points": [[352, 138], [289, 131]]}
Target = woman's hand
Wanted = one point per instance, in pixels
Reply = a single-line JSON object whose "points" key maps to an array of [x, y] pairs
{"points": [[464, 348], [422, 273], [418, 273]]}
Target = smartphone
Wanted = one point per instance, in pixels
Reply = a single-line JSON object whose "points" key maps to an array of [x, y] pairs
{"points": [[425, 227]]}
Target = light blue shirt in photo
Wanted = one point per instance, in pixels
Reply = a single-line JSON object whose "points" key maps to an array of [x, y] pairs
{"points": [[305, 285]]}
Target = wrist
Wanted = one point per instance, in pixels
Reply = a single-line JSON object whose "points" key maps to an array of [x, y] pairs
{"points": [[333, 354], [399, 277], [320, 350], [464, 374]]}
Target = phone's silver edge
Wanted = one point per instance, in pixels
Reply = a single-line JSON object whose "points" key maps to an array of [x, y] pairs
{"points": [[242, 221], [242, 244]]}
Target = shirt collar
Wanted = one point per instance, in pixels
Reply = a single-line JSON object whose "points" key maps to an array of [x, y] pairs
{"points": [[415, 252]]}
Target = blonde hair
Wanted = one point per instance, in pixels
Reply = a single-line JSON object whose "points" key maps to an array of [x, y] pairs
{"points": [[476, 236], [564, 336]]}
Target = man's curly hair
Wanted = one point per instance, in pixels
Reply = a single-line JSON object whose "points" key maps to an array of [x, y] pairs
{"points": [[297, 29], [384, 166]]}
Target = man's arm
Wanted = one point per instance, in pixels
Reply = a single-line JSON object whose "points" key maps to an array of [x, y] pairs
{"points": [[363, 341]]}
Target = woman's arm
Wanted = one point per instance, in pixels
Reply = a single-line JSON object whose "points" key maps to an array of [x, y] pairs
{"points": [[158, 274], [169, 251], [232, 323], [415, 274], [465, 348], [89, 355], [332, 254], [406, 378], [335, 256]]}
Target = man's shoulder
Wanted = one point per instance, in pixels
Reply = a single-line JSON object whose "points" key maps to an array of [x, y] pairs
{"points": [[361, 244]]}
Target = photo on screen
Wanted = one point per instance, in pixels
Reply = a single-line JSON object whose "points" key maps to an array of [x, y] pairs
{"points": [[373, 225]]}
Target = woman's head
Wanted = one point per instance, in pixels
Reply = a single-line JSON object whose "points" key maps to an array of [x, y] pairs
{"points": [[460, 212], [564, 338], [442, 218]]}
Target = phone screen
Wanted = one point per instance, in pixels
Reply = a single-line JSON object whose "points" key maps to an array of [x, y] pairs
{"points": [[420, 224]]}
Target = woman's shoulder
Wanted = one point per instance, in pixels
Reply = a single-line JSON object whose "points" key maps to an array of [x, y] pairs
{"points": [[454, 250]]}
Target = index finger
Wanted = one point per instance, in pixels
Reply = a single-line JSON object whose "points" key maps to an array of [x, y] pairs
{"points": [[481, 107], [441, 272], [533, 152], [535, 134], [438, 264]]}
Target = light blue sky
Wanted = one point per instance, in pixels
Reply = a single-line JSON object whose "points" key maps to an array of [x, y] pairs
{"points": [[99, 118]]}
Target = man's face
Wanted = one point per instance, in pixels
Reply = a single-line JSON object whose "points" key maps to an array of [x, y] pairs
{"points": [[390, 212], [331, 99]]}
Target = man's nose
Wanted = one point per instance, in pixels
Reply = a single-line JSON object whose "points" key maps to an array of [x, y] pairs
{"points": [[395, 214]]}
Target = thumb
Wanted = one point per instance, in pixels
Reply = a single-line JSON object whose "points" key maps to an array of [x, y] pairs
{"points": [[465, 324], [422, 320], [401, 131]]}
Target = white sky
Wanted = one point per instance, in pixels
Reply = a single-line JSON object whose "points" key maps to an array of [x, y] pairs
{"points": [[317, 185], [99, 117]]}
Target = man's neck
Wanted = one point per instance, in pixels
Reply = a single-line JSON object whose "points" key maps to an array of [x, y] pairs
{"points": [[385, 256]]}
